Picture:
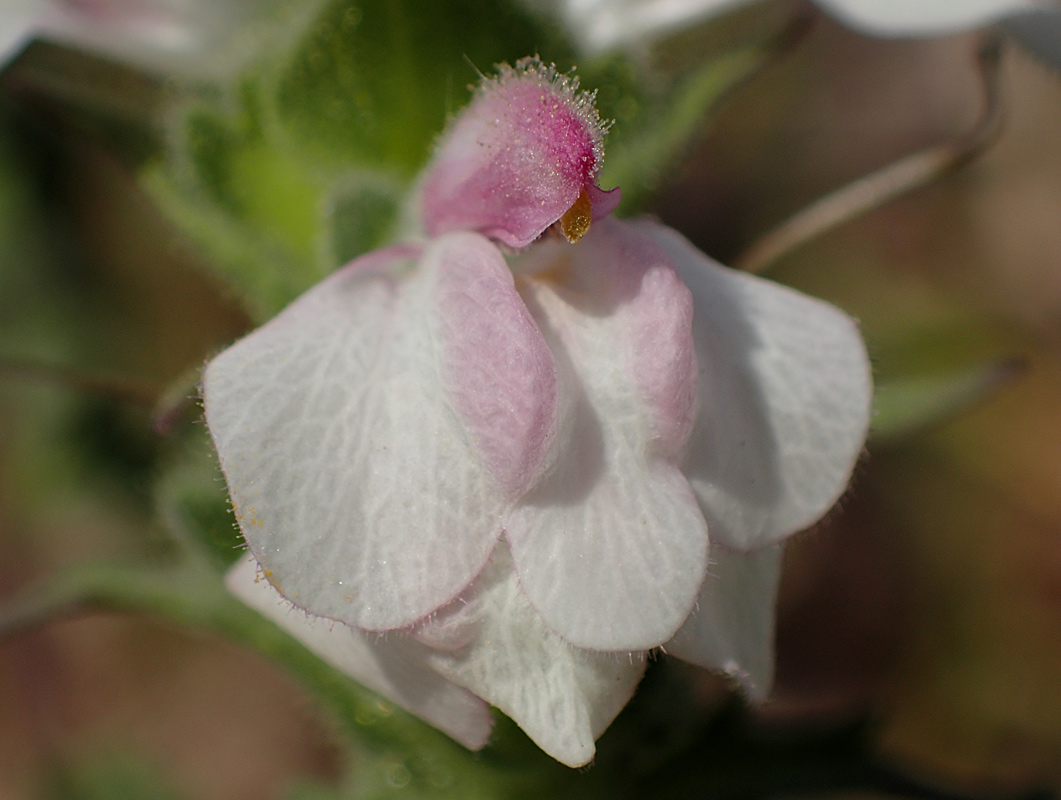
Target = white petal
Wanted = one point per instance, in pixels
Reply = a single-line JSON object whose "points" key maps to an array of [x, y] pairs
{"points": [[17, 27], [922, 17], [354, 480], [563, 697], [185, 37], [605, 24], [732, 628], [611, 547], [785, 395], [395, 667]]}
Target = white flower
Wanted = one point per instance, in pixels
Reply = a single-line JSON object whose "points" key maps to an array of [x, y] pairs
{"points": [[186, 37], [601, 25], [503, 472]]}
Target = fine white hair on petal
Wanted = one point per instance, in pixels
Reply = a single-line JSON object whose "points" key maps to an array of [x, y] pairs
{"points": [[731, 630], [611, 547], [395, 667], [354, 480], [785, 395]]}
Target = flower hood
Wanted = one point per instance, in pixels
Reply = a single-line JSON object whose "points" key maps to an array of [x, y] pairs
{"points": [[512, 464]]}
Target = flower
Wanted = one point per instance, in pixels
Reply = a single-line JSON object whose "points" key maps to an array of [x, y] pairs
{"points": [[601, 25], [494, 471], [172, 36]]}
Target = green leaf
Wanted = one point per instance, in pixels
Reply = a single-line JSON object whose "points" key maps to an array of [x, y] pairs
{"points": [[372, 82], [252, 207], [934, 365], [193, 503], [361, 216], [908, 404]]}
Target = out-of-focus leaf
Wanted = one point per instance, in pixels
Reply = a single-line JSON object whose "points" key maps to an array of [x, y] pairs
{"points": [[359, 216], [117, 104], [1039, 33], [251, 207], [904, 405], [372, 82], [932, 362]]}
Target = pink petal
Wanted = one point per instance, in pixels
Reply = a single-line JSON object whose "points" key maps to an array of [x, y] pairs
{"points": [[356, 482], [603, 202], [395, 667], [516, 158], [785, 394], [497, 368], [611, 548]]}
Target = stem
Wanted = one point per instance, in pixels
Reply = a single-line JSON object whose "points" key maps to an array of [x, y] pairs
{"points": [[187, 592], [874, 190], [191, 594]]}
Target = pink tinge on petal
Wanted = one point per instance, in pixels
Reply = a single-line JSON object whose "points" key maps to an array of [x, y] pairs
{"points": [[516, 158], [623, 266], [603, 202], [662, 352], [611, 548], [352, 476], [495, 363]]}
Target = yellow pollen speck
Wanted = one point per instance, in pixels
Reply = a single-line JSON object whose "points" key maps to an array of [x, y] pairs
{"points": [[575, 221]]}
